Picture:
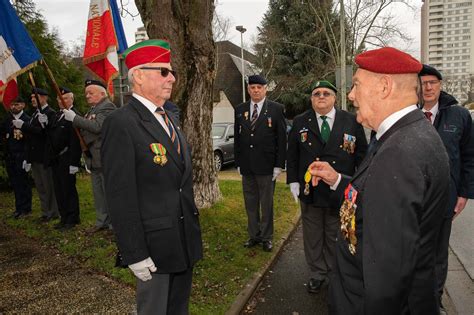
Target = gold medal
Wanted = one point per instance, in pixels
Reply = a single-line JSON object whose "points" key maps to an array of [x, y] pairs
{"points": [[164, 160], [157, 159], [307, 179]]}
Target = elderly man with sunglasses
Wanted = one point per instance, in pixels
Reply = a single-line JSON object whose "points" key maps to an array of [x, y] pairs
{"points": [[149, 185], [322, 133], [91, 130]]}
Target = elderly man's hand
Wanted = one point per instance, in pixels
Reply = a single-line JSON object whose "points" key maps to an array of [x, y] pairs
{"points": [[69, 114], [323, 171], [460, 205], [143, 269]]}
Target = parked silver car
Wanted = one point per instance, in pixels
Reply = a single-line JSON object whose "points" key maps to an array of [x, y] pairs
{"points": [[223, 144]]}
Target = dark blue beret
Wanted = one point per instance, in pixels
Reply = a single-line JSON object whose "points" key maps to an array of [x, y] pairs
{"points": [[39, 91], [64, 90], [18, 99], [429, 70], [257, 79], [94, 82]]}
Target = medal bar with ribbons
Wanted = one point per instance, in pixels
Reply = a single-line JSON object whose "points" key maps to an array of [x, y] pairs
{"points": [[348, 219]]}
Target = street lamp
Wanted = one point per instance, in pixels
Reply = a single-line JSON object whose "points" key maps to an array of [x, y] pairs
{"points": [[242, 30]]}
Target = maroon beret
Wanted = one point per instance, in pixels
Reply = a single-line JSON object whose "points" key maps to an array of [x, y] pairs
{"points": [[388, 60]]}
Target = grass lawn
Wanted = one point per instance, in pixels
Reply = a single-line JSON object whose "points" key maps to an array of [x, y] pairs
{"points": [[227, 266]]}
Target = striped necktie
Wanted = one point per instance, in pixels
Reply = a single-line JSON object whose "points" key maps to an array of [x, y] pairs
{"points": [[254, 116], [173, 136]]}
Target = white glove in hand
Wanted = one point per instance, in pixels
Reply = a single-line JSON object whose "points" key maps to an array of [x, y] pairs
{"points": [[42, 118], [17, 123], [295, 190], [238, 171], [69, 114], [276, 172], [73, 169], [142, 269], [26, 166]]}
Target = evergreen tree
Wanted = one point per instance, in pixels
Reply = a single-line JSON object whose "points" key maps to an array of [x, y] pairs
{"points": [[294, 52]]}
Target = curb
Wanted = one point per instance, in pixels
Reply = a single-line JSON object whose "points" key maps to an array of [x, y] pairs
{"points": [[247, 292]]}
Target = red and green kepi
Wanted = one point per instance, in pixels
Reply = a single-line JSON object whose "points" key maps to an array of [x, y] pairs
{"points": [[324, 84], [148, 51]]}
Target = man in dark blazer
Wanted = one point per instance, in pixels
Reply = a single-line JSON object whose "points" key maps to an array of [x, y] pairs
{"points": [[394, 203], [14, 144], [322, 133], [91, 130], [259, 150], [149, 186], [35, 131], [454, 125], [63, 154]]}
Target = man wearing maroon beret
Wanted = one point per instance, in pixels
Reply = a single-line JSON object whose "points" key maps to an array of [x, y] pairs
{"points": [[393, 205], [149, 185]]}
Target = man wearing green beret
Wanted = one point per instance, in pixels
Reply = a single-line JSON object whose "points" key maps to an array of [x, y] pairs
{"points": [[322, 133]]}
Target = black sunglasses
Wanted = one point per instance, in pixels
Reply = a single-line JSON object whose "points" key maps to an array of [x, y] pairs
{"points": [[164, 71], [325, 94]]}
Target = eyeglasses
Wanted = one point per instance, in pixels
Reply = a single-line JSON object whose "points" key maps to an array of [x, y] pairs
{"points": [[324, 94], [431, 82], [164, 71]]}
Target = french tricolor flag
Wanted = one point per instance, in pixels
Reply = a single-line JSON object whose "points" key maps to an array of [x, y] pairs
{"points": [[18, 53], [104, 37]]}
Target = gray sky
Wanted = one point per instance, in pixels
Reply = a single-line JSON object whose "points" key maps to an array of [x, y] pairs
{"points": [[70, 19]]}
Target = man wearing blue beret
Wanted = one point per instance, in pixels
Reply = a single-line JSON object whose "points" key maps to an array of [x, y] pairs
{"points": [[260, 154]]}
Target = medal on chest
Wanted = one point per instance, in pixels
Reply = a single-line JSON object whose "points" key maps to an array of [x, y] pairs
{"points": [[160, 151], [17, 134], [347, 215], [349, 143]]}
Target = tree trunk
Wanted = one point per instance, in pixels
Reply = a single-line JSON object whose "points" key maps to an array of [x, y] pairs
{"points": [[187, 25]]}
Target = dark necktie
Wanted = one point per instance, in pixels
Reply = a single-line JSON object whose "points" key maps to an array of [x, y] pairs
{"points": [[325, 130], [173, 136], [254, 116], [372, 144], [428, 115]]}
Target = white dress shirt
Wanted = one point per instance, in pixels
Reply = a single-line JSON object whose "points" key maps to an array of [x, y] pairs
{"points": [[152, 108], [329, 118], [434, 111], [259, 107]]}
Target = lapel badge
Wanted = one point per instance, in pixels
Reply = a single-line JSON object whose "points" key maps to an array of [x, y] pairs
{"points": [[304, 136], [347, 215], [269, 119], [246, 114], [349, 143], [160, 153]]}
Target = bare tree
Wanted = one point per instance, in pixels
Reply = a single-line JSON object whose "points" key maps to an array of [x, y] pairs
{"points": [[220, 25], [368, 22], [187, 24]]}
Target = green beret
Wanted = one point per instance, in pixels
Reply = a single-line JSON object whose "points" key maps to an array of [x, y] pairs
{"points": [[324, 84]]}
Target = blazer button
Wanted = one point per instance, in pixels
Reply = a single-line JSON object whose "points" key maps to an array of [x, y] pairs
{"points": [[251, 134], [317, 159], [181, 217], [180, 190], [309, 143], [333, 162], [251, 145]]}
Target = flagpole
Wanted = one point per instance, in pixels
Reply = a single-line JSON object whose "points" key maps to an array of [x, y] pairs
{"points": [[120, 81], [84, 147], [33, 83]]}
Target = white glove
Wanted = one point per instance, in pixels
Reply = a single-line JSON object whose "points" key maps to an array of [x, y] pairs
{"points": [[295, 190], [142, 269], [276, 172], [17, 123], [73, 169], [238, 170], [43, 119], [26, 166], [69, 114]]}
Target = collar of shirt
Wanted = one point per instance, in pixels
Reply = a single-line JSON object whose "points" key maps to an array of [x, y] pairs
{"points": [[331, 116], [152, 108], [434, 111], [259, 105], [44, 106], [392, 119], [17, 116]]}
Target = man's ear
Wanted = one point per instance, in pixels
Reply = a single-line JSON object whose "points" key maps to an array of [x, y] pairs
{"points": [[386, 86]]}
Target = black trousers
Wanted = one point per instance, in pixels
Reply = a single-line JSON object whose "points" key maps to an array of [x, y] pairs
{"points": [[20, 184], [66, 192], [442, 254], [165, 294]]}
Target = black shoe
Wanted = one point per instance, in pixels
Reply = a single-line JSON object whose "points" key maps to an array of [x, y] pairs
{"points": [[314, 286], [58, 226], [251, 243], [267, 246], [47, 218], [67, 227], [18, 215]]}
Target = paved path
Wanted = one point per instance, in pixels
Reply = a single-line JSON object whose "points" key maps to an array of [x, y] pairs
{"points": [[283, 289]]}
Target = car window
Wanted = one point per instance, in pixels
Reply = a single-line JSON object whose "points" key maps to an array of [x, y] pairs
{"points": [[218, 132], [230, 131]]}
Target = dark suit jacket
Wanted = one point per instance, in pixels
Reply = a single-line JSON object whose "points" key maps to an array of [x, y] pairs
{"points": [[151, 206], [258, 151], [36, 136], [305, 146], [402, 195], [91, 130], [62, 142], [14, 149]]}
